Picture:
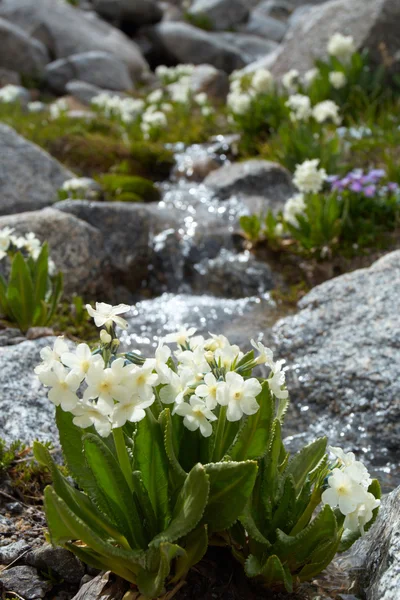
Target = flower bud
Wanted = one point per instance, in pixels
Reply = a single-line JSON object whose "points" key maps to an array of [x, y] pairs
{"points": [[105, 337]]}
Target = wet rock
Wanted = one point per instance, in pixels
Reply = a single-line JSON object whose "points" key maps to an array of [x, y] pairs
{"points": [[26, 413], [265, 27], [12, 552], [342, 348], [75, 246], [251, 47], [375, 558], [220, 14], [67, 566], [139, 12], [29, 177], [7, 76], [252, 177], [279, 9], [370, 23], [212, 81], [66, 30], [184, 43], [26, 582], [101, 69], [21, 53]]}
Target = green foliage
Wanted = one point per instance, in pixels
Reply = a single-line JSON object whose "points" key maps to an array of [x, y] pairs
{"points": [[73, 320], [202, 21], [128, 188], [30, 296]]}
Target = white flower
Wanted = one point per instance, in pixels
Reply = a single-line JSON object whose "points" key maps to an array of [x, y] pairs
{"points": [[153, 120], [201, 98], [63, 385], [300, 107], [337, 79], [294, 206], [239, 395], [290, 80], [196, 415], [180, 337], [155, 96], [341, 46], [51, 356], [35, 107], [142, 380], [266, 355], [132, 409], [32, 244], [307, 176], [159, 363], [6, 238], [262, 81], [10, 93], [105, 314], [352, 467], [277, 381], [343, 492], [357, 520], [206, 111], [58, 108], [208, 390], [87, 414], [310, 76], [161, 71], [180, 90], [279, 229], [81, 360], [240, 103], [107, 384], [77, 184], [226, 356], [105, 337], [325, 111]]}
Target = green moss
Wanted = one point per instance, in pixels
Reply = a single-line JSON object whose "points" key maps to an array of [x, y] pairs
{"points": [[74, 321], [128, 188], [202, 21]]}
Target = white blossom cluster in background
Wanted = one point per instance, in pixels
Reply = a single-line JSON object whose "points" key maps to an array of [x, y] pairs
{"points": [[109, 395], [29, 243], [245, 87], [58, 108], [341, 47], [125, 108], [301, 110], [348, 490], [10, 93]]}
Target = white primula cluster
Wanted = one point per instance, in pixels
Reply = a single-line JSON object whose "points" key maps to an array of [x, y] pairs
{"points": [[58, 108], [153, 119], [245, 87], [308, 177], [310, 76], [341, 47], [294, 207], [76, 185], [28, 243], [337, 79], [348, 490], [300, 107], [10, 93], [125, 108], [326, 111], [199, 380], [290, 80], [171, 74]]}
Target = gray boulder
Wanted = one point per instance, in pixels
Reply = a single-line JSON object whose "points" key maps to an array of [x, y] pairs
{"points": [[220, 14], [251, 47], [65, 564], [29, 177], [212, 81], [21, 53], [185, 43], [25, 582], [75, 247], [370, 22], [267, 28], [253, 178], [138, 12], [8, 76], [375, 558], [100, 69], [26, 413], [279, 9], [66, 30], [342, 348]]}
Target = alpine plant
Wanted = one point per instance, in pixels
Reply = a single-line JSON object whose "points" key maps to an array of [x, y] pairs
{"points": [[182, 449]]}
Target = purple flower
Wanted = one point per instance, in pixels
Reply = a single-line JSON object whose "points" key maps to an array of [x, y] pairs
{"points": [[370, 191], [392, 186], [356, 186], [376, 174]]}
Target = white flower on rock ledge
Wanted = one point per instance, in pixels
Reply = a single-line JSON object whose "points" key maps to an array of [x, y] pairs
{"points": [[343, 492], [106, 384], [81, 360], [266, 356], [308, 178], [352, 467], [277, 382], [196, 415], [87, 414], [51, 356], [357, 520], [63, 384], [239, 395], [105, 315], [341, 46], [159, 363]]}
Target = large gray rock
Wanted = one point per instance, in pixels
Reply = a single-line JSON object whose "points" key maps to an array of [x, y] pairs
{"points": [[75, 247], [370, 22], [251, 47], [212, 81], [101, 69], [21, 53], [29, 177], [25, 582], [342, 348], [65, 564], [66, 30], [253, 178], [375, 558], [279, 9], [27, 414], [185, 43], [267, 28], [220, 14], [137, 12]]}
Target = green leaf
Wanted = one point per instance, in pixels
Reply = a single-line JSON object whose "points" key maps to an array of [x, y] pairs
{"points": [[165, 421], [249, 523], [320, 559], [151, 460], [189, 507], [274, 572], [254, 437], [151, 583], [4, 308], [305, 461], [231, 484], [20, 293], [271, 472], [112, 489], [195, 545], [40, 274], [56, 293], [144, 506]]}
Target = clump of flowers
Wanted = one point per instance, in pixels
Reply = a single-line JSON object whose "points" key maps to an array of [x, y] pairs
{"points": [[182, 449], [368, 184], [124, 108], [10, 93], [326, 111], [308, 177], [341, 47], [78, 188], [58, 108]]}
